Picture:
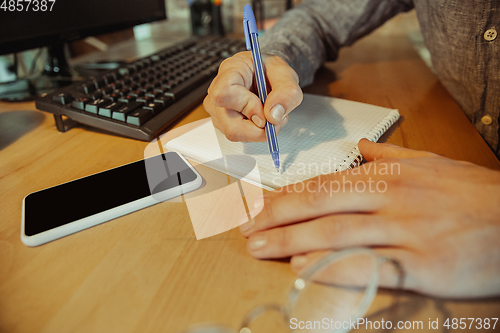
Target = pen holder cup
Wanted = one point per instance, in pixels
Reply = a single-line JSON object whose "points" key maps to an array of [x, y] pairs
{"points": [[206, 19]]}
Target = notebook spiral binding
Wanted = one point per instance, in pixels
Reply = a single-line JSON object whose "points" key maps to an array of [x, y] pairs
{"points": [[354, 158]]}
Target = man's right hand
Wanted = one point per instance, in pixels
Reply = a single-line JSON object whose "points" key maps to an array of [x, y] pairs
{"points": [[233, 102]]}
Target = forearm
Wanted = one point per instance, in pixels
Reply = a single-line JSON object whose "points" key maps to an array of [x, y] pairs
{"points": [[314, 31]]}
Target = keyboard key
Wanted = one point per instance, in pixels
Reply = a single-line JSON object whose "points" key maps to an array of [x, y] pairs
{"points": [[169, 85], [139, 117], [62, 98], [211, 70], [136, 93], [146, 89], [131, 69], [165, 100], [124, 71], [161, 90], [80, 103], [122, 112], [154, 107], [154, 94], [114, 97], [108, 109], [86, 88], [126, 81], [110, 78], [99, 83], [187, 86], [94, 106], [187, 75], [124, 91], [116, 85], [145, 99], [96, 95], [107, 90], [127, 99], [235, 49], [117, 75]]}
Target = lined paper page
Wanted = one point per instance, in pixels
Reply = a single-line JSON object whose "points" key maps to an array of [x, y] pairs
{"points": [[321, 137]]}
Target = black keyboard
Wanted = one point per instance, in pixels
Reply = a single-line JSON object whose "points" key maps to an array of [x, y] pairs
{"points": [[140, 99]]}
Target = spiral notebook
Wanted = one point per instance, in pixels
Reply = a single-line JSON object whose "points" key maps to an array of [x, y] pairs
{"points": [[321, 137]]}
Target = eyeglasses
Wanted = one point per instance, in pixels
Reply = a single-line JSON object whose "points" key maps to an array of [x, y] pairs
{"points": [[329, 295]]}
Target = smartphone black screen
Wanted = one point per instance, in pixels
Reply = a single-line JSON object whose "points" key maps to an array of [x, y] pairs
{"points": [[68, 202]]}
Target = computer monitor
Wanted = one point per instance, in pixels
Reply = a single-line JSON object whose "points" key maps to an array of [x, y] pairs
{"points": [[29, 24], [59, 21]]}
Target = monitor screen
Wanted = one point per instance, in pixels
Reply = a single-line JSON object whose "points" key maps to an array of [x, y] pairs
{"points": [[28, 24]]}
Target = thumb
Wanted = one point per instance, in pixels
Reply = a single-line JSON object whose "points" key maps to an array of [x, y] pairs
{"points": [[374, 151], [285, 93]]}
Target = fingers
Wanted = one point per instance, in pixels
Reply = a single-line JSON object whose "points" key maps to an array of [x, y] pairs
{"points": [[311, 199], [239, 69], [374, 151], [229, 91], [238, 128], [236, 110], [285, 93], [329, 232]]}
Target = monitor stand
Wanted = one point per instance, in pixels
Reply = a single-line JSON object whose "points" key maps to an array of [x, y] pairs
{"points": [[56, 74]]}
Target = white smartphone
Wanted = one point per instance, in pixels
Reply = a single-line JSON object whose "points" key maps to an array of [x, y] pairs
{"points": [[67, 208]]}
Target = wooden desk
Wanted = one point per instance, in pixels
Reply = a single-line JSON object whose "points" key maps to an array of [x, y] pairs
{"points": [[146, 272]]}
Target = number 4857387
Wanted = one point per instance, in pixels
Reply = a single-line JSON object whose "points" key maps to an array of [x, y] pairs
{"points": [[470, 323], [27, 5]]}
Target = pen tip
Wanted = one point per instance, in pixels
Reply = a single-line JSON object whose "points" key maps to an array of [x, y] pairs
{"points": [[278, 170]]}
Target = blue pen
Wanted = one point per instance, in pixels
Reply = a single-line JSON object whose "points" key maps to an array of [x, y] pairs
{"points": [[251, 38]]}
